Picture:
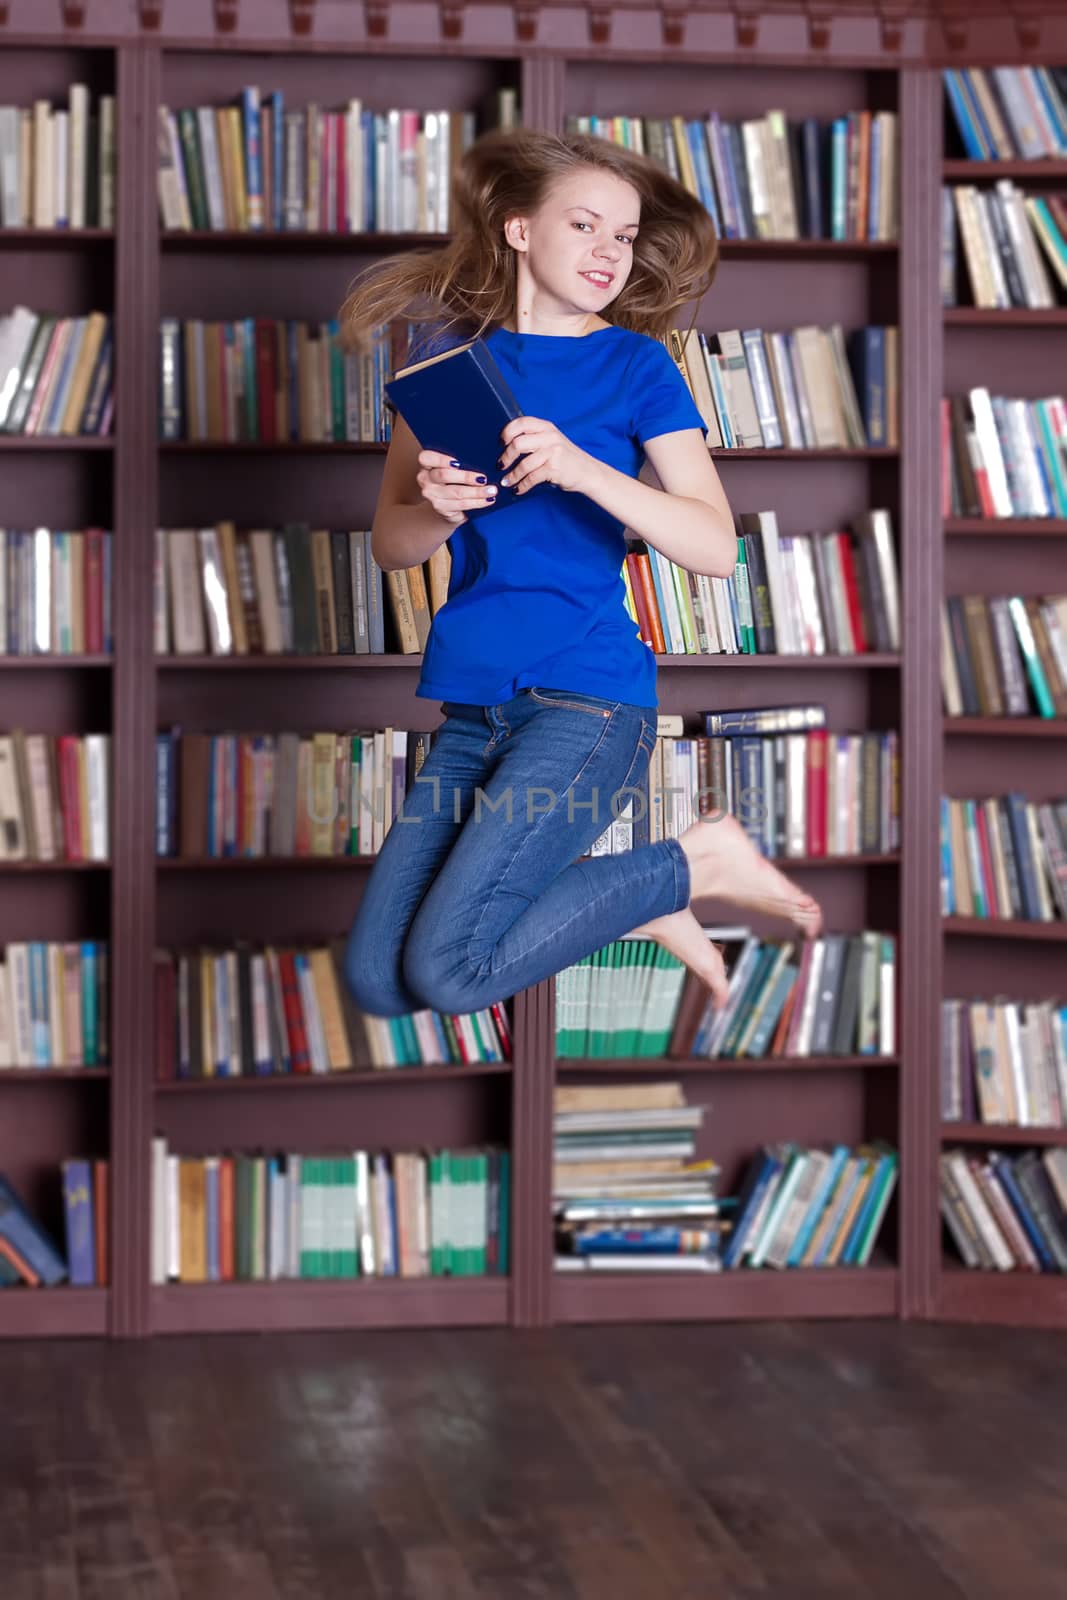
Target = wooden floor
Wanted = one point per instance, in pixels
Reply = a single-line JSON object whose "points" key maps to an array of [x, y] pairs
{"points": [[720, 1463]]}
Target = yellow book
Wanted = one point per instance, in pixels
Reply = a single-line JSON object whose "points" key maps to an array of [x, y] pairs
{"points": [[324, 977]]}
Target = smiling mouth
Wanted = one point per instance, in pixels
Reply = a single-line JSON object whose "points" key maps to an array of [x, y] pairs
{"points": [[602, 280]]}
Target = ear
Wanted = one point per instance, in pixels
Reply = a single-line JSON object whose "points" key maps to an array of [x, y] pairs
{"points": [[516, 233]]}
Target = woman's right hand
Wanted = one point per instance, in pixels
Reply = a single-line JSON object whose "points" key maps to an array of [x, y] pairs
{"points": [[451, 491]]}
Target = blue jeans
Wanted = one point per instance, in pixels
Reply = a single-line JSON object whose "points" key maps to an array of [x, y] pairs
{"points": [[477, 892]]}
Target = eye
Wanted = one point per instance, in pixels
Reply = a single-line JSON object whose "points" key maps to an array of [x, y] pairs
{"points": [[581, 224], [624, 238]]}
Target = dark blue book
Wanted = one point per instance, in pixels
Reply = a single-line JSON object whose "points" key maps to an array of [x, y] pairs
{"points": [[460, 403], [28, 1238]]}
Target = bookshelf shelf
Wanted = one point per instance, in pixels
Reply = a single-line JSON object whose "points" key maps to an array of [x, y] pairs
{"points": [[54, 238], [1002, 928], [54, 1074], [1000, 1133], [47, 867], [857, 663], [1012, 1299], [1008, 727], [989, 171], [53, 1313], [269, 241], [362, 1078], [1016, 527], [868, 452], [260, 863], [29, 442], [294, 1304], [341, 447], [51, 663], [1013, 317], [807, 249], [567, 1065], [283, 663], [724, 1297]]}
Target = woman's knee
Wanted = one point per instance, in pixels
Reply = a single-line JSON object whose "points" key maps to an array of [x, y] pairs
{"points": [[440, 978], [373, 986]]}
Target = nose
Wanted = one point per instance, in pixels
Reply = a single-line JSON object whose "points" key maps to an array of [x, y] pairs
{"points": [[609, 249]]}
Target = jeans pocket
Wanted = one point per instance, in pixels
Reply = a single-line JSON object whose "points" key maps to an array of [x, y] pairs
{"points": [[574, 700]]}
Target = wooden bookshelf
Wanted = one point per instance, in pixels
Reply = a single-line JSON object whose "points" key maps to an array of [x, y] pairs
{"points": [[1000, 1133], [1010, 527], [133, 484], [1006, 727]]}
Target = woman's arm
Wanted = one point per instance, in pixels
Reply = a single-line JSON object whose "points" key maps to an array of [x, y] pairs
{"points": [[689, 519], [421, 500]]}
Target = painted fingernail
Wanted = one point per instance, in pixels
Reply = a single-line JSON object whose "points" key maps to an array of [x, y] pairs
{"points": [[453, 463], [491, 493], [481, 479]]}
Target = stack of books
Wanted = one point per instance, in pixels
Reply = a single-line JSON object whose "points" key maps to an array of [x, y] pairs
{"points": [[619, 1001], [55, 592], [831, 996], [1003, 113], [809, 389], [626, 1190], [53, 1004], [1004, 233], [1007, 1211], [256, 1217], [771, 177], [263, 165], [811, 594], [268, 1011], [57, 374], [54, 802], [1003, 457], [1004, 857], [289, 591], [800, 1207], [27, 1254], [1004, 656], [57, 163], [1004, 1061]]}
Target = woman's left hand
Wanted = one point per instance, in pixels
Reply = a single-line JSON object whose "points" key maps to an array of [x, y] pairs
{"points": [[547, 456]]}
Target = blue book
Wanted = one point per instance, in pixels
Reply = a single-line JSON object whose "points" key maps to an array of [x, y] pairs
{"points": [[78, 1218], [277, 211], [30, 1240], [459, 403], [961, 111]]}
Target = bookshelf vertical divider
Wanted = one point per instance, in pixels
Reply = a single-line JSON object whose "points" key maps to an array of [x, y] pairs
{"points": [[921, 120], [531, 1101], [133, 909]]}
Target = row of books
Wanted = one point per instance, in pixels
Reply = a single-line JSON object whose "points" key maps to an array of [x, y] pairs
{"points": [[831, 996], [801, 1206], [1004, 656], [1001, 230], [1003, 456], [55, 592], [811, 793], [808, 388], [620, 1001], [626, 1191], [262, 166], [56, 374], [258, 1217], [57, 163], [273, 381], [54, 790], [812, 594], [53, 1004], [288, 591], [1007, 112], [1005, 1062], [1004, 857], [263, 1011], [1006, 1210], [30, 1257], [773, 177]]}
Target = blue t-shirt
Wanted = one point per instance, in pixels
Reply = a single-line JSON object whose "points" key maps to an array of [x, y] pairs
{"points": [[536, 595]]}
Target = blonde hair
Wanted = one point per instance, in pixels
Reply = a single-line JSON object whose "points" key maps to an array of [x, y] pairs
{"points": [[470, 282]]}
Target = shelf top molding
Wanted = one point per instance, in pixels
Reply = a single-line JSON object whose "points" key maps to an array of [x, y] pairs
{"points": [[796, 33]]}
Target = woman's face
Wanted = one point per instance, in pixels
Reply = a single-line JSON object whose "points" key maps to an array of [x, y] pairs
{"points": [[579, 243]]}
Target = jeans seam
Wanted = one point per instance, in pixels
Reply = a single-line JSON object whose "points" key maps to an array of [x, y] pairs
{"points": [[533, 832]]}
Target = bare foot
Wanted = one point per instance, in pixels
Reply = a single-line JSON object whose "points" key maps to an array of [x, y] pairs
{"points": [[724, 864], [682, 935]]}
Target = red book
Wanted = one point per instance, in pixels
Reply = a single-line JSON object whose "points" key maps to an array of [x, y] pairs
{"points": [[644, 574], [989, 881], [461, 1043], [226, 1219], [852, 593], [296, 1032], [503, 1030], [818, 739], [265, 380], [94, 591], [101, 1218], [640, 604], [70, 795], [343, 223], [19, 1262]]}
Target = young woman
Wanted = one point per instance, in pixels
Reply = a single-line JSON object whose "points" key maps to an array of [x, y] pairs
{"points": [[570, 257]]}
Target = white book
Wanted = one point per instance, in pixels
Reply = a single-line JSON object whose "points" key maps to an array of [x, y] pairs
{"points": [[61, 167], [7, 1048], [78, 158], [11, 212], [212, 167], [989, 445], [18, 970], [354, 198], [16, 337], [106, 159], [159, 1228], [96, 765], [44, 214]]}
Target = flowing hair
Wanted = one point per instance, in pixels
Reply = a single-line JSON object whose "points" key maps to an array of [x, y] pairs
{"points": [[470, 282]]}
